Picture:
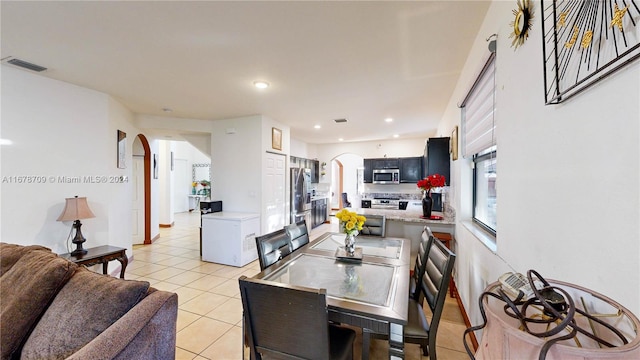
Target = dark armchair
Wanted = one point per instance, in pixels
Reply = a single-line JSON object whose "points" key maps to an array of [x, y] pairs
{"points": [[345, 202], [291, 322]]}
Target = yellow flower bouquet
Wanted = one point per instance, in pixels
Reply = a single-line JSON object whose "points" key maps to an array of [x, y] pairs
{"points": [[350, 222]]}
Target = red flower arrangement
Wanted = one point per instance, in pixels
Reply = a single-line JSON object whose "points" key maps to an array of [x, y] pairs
{"points": [[431, 181]]}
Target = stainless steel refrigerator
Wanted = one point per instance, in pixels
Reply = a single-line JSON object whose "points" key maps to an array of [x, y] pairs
{"points": [[300, 195]]}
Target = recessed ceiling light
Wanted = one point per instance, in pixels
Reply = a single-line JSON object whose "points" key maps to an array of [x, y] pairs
{"points": [[317, 127], [261, 84], [396, 135], [388, 119], [5, 142], [341, 139]]}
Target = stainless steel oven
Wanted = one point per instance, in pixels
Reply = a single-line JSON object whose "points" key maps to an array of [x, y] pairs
{"points": [[386, 176]]}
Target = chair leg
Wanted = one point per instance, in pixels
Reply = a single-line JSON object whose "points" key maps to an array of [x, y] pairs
{"points": [[431, 349], [366, 343]]}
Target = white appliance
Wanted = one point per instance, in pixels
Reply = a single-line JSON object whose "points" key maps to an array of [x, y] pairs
{"points": [[229, 238]]}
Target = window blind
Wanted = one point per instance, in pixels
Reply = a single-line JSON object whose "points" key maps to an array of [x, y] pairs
{"points": [[478, 107]]}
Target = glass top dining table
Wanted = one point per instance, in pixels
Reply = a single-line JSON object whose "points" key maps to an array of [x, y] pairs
{"points": [[370, 293]]}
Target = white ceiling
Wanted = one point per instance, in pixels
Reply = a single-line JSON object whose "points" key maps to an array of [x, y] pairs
{"points": [[363, 61]]}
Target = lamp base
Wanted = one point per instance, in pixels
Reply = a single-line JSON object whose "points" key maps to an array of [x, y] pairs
{"points": [[78, 240], [78, 251]]}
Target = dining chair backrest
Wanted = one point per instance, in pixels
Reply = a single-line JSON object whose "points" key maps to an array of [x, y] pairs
{"points": [[435, 281], [272, 247], [298, 235], [285, 321], [345, 201], [426, 240], [374, 225]]}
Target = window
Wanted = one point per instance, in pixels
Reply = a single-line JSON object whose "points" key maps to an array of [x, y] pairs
{"points": [[484, 190], [479, 144]]}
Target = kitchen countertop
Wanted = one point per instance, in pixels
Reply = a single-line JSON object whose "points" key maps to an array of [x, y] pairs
{"points": [[405, 215]]}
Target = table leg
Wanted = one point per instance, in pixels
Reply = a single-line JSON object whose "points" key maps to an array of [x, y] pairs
{"points": [[123, 264], [105, 265], [396, 341]]}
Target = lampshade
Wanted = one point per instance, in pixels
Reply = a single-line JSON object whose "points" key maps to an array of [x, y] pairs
{"points": [[76, 208]]}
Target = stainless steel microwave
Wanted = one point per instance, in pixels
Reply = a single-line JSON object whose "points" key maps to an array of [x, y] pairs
{"points": [[386, 176]]}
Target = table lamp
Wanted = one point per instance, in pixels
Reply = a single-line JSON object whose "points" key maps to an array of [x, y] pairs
{"points": [[75, 209]]}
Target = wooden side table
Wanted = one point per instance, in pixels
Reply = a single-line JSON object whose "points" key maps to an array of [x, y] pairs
{"points": [[446, 239], [101, 255]]}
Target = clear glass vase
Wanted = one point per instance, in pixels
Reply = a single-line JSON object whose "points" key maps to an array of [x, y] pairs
{"points": [[350, 244]]}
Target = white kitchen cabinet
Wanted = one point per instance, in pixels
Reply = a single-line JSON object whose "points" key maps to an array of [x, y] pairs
{"points": [[229, 238]]}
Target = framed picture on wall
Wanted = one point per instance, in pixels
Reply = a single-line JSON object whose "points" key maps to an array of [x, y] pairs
{"points": [[122, 146], [155, 166], [454, 143], [276, 138]]}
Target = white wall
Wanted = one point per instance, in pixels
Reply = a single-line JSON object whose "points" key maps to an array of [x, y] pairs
{"points": [[302, 149], [236, 161], [165, 183], [62, 130], [568, 175], [185, 150], [372, 149]]}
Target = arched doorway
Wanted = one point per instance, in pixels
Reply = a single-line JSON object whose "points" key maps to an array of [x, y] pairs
{"points": [[346, 172], [141, 194]]}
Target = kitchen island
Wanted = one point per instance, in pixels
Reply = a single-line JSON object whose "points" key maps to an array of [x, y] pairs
{"points": [[409, 224]]}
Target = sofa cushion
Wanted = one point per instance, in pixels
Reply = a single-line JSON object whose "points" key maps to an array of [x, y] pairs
{"points": [[10, 253], [84, 308], [27, 289]]}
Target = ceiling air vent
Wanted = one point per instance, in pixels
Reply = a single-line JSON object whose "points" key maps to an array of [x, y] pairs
{"points": [[340, 120], [26, 65]]}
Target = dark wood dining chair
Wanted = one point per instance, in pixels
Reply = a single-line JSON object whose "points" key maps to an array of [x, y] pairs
{"points": [[426, 240], [298, 235], [291, 322], [374, 225], [432, 292], [272, 247]]}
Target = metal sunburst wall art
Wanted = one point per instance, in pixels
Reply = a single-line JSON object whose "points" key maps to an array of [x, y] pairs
{"points": [[585, 41], [522, 23]]}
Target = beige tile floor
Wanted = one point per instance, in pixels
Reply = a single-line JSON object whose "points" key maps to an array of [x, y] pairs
{"points": [[209, 306]]}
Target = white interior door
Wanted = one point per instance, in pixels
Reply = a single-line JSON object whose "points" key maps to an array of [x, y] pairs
{"points": [[182, 185], [274, 193], [137, 181]]}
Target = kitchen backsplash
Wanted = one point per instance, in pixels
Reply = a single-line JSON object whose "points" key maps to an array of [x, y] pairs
{"points": [[414, 195]]}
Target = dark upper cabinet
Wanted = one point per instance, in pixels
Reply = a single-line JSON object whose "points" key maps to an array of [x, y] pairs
{"points": [[368, 171], [386, 163], [437, 157], [411, 169], [315, 171]]}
